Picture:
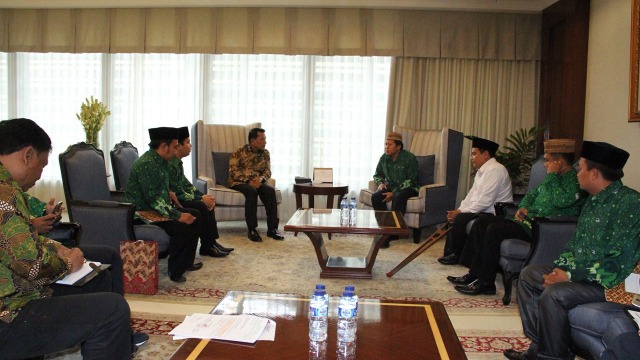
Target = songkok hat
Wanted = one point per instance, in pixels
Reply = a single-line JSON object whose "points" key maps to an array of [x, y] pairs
{"points": [[554, 146], [394, 136], [163, 133], [605, 154], [483, 144], [183, 133]]}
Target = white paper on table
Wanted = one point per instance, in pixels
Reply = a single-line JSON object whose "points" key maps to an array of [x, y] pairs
{"points": [[240, 328], [71, 279], [269, 333]]}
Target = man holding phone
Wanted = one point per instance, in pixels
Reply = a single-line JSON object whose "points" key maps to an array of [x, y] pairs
{"points": [[50, 214]]}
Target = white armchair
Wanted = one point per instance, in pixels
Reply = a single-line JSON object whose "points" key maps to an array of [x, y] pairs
{"points": [[212, 146], [440, 183]]}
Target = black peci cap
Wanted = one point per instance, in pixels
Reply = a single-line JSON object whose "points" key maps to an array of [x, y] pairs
{"points": [[605, 154]]}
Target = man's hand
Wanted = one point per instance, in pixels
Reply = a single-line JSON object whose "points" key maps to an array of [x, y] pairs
{"points": [[555, 276], [50, 205], [255, 182], [174, 199], [187, 218], [210, 201], [382, 186], [44, 224], [521, 214], [388, 196], [76, 256], [451, 214]]}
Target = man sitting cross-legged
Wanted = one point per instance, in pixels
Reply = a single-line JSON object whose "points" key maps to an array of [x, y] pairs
{"points": [[558, 194]]}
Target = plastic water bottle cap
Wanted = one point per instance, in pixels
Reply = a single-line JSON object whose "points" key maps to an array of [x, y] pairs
{"points": [[320, 287], [318, 293], [347, 294], [350, 288]]}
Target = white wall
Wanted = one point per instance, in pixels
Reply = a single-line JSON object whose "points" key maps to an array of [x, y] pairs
{"points": [[607, 100]]}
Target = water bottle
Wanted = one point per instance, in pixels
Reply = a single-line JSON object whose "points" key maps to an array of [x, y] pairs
{"points": [[317, 350], [352, 211], [326, 296], [352, 288], [318, 317], [344, 212], [346, 350], [346, 318]]}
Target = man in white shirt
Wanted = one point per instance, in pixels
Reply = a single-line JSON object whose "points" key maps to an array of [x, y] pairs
{"points": [[491, 184]]}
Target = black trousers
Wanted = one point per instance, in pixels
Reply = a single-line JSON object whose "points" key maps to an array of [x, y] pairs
{"points": [[208, 231], [481, 253], [398, 203], [457, 237], [90, 315], [267, 195], [544, 310], [183, 242]]}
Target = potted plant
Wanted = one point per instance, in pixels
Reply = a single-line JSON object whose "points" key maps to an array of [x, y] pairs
{"points": [[92, 116], [518, 155]]}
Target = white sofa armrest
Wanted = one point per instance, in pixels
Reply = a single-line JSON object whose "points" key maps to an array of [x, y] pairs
{"points": [[208, 180], [372, 186]]}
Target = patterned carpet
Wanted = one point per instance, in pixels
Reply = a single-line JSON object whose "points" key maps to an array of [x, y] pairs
{"points": [[291, 266]]}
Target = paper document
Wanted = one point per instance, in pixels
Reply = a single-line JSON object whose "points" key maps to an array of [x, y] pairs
{"points": [[71, 279], [323, 175], [240, 328], [635, 316]]}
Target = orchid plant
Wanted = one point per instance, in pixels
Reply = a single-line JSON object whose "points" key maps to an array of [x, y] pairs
{"points": [[93, 115]]}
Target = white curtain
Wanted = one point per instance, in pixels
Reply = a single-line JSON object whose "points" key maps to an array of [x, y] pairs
{"points": [[317, 111]]}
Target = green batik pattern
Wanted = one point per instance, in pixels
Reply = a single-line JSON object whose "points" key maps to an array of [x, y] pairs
{"points": [[399, 174], [606, 245], [149, 185], [557, 195], [180, 184]]}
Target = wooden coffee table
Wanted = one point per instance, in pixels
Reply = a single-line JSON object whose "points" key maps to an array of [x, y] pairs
{"points": [[386, 330], [314, 222]]}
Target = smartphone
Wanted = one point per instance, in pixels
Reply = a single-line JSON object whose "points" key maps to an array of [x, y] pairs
{"points": [[58, 208], [58, 211]]}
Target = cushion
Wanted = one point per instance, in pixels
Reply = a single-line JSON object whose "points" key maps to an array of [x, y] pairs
{"points": [[426, 167], [221, 167]]}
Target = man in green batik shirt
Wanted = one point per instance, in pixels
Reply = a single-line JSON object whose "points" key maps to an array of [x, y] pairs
{"points": [[559, 194], [185, 195], [396, 176], [602, 253], [148, 189]]}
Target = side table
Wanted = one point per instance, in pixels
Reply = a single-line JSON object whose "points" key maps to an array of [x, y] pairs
{"points": [[311, 190]]}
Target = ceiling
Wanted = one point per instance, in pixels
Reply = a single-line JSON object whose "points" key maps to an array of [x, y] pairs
{"points": [[522, 6]]}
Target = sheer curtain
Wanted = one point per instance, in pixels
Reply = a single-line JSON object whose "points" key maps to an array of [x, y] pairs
{"points": [[486, 98], [317, 112]]}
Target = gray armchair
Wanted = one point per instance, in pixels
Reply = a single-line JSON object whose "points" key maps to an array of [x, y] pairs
{"points": [[123, 155], [434, 199], [104, 220], [212, 146]]}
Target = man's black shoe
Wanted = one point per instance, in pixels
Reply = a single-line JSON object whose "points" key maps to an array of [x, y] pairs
{"points": [[477, 288], [516, 355], [254, 236], [385, 244], [450, 259], [465, 279], [225, 249], [195, 267], [213, 252], [177, 278], [139, 338], [274, 234]]}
